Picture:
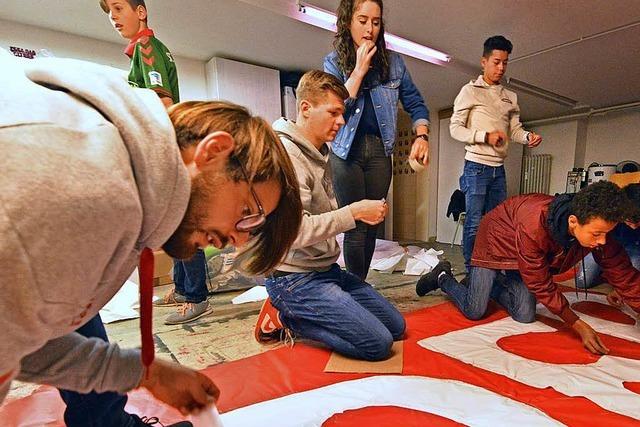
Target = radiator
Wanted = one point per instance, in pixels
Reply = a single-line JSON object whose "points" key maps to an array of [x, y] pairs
{"points": [[536, 174]]}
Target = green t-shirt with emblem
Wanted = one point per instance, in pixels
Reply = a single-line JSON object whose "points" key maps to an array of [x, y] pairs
{"points": [[153, 67]]}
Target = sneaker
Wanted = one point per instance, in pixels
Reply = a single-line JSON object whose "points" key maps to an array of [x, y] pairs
{"points": [[172, 298], [154, 421], [429, 282], [227, 262], [188, 312], [268, 327]]}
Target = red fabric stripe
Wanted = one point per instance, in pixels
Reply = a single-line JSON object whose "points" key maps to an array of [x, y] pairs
{"points": [[132, 43], [4, 378], [146, 297]]}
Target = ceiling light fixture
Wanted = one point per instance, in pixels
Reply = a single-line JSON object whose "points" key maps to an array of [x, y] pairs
{"points": [[324, 19]]}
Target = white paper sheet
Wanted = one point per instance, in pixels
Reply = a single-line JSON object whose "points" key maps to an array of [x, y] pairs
{"points": [[124, 303], [257, 293], [210, 417]]}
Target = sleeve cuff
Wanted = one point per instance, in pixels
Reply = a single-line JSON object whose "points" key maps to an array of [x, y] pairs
{"points": [[568, 315], [345, 218], [479, 136], [420, 122]]}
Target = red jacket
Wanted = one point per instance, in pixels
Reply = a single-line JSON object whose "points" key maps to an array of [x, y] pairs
{"points": [[518, 235]]}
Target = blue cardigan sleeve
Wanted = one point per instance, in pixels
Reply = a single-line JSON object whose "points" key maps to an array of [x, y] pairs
{"points": [[411, 99]]}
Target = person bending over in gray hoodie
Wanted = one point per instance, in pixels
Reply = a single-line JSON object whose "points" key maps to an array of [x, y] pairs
{"points": [[309, 294], [95, 174]]}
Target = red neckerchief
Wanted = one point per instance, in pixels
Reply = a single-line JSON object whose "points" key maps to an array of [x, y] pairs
{"points": [[148, 32], [146, 296]]}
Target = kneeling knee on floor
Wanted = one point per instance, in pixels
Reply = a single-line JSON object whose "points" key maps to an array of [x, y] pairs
{"points": [[379, 349], [474, 314]]}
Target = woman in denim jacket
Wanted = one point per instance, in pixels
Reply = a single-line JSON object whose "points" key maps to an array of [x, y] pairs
{"points": [[361, 152]]}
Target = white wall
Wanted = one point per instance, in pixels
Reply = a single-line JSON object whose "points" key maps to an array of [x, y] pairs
{"points": [[257, 88], [613, 138], [190, 72], [559, 140], [609, 139], [450, 166]]}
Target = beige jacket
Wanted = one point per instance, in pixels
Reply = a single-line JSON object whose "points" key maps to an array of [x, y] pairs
{"points": [[481, 108], [315, 248]]}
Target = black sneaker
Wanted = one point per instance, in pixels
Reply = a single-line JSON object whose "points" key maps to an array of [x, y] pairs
{"points": [[154, 421], [429, 282]]}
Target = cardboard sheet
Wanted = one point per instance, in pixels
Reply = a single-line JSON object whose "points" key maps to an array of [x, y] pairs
{"points": [[392, 365]]}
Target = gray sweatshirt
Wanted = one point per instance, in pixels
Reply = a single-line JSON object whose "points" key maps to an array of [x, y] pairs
{"points": [[480, 108], [315, 248], [91, 174]]}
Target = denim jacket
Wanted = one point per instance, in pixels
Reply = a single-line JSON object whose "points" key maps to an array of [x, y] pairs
{"points": [[385, 98]]}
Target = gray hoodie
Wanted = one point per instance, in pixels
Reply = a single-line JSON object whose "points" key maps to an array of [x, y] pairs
{"points": [[315, 248], [91, 174]]}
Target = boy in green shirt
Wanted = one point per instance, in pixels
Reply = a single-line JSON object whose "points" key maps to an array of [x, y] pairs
{"points": [[152, 65]]}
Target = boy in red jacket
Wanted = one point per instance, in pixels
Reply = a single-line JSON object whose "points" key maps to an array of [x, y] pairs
{"points": [[534, 236]]}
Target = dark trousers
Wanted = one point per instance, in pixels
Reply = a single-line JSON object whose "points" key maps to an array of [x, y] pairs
{"points": [[484, 284], [339, 310], [366, 174], [190, 277], [95, 409]]}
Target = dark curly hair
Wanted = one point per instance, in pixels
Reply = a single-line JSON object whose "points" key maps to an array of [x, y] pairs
{"points": [[603, 200], [632, 191], [344, 46]]}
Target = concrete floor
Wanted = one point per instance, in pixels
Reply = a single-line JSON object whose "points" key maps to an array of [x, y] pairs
{"points": [[227, 333]]}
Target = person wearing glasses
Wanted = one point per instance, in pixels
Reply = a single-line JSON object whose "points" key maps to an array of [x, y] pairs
{"points": [[310, 295], [94, 178]]}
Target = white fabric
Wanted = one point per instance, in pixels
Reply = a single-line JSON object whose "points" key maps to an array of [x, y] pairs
{"points": [[389, 256], [210, 417], [600, 382], [454, 400], [257, 293]]}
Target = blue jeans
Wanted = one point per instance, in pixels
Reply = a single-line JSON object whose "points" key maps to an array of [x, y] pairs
{"points": [[508, 290], [190, 277], [366, 174], [484, 188], [339, 310], [95, 409], [593, 270]]}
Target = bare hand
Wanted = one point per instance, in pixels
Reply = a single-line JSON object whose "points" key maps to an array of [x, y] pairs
{"points": [[497, 138], [590, 338], [534, 140], [614, 298], [370, 212], [364, 54], [185, 389], [420, 151]]}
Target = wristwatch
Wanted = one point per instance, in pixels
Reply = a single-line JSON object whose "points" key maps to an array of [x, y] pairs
{"points": [[424, 136]]}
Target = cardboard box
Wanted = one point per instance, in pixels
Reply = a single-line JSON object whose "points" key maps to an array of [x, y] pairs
{"points": [[162, 269], [624, 179]]}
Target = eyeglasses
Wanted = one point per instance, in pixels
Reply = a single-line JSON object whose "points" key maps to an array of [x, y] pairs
{"points": [[253, 222]]}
